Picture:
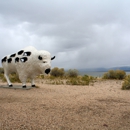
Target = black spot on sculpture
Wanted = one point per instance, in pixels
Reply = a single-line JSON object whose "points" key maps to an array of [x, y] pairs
{"points": [[13, 55], [9, 60], [16, 59], [23, 59], [20, 52], [4, 59], [39, 57], [27, 53]]}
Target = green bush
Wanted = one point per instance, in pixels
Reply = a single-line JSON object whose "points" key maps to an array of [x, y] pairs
{"points": [[126, 83], [114, 74], [56, 72], [72, 73]]}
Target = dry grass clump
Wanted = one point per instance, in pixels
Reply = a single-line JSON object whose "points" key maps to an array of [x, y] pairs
{"points": [[55, 82], [80, 80], [41, 76], [2, 77], [1, 70], [13, 78]]}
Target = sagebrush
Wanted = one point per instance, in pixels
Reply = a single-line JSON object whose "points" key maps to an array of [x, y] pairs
{"points": [[57, 72], [126, 83], [73, 73], [114, 74]]}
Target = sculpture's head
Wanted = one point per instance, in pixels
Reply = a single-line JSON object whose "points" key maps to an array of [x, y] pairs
{"points": [[45, 58]]}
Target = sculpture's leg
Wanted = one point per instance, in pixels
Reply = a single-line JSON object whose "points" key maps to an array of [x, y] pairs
{"points": [[33, 83], [7, 78], [23, 79], [24, 85]]}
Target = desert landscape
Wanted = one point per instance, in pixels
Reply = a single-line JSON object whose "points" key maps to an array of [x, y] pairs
{"points": [[102, 105]]}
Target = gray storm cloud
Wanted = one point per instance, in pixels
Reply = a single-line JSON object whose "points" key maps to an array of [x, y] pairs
{"points": [[82, 34]]}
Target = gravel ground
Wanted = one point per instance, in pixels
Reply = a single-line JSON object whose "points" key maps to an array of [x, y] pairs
{"points": [[99, 106]]}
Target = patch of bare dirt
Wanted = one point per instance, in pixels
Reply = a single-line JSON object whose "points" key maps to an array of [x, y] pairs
{"points": [[102, 106]]}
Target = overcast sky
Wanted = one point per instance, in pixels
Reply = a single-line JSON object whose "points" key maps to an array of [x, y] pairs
{"points": [[80, 33]]}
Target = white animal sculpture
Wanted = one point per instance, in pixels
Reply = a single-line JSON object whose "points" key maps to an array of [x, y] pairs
{"points": [[27, 63]]}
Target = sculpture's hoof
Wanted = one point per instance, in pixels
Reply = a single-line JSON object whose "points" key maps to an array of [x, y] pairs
{"points": [[24, 86], [33, 85], [10, 85]]}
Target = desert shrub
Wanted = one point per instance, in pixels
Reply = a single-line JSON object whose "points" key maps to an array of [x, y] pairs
{"points": [[114, 74], [106, 75], [120, 74], [57, 72], [72, 73], [126, 83], [110, 75], [86, 79]]}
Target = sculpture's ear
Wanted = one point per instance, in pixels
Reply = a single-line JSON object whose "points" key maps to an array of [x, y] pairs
{"points": [[53, 58], [39, 57]]}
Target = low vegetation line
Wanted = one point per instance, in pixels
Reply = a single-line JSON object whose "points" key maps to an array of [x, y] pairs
{"points": [[58, 76]]}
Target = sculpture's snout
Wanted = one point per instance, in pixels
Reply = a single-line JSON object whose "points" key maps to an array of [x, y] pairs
{"points": [[47, 71]]}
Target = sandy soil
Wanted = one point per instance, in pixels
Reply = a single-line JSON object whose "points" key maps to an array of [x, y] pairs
{"points": [[99, 106]]}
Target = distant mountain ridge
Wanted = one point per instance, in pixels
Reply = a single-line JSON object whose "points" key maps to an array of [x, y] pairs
{"points": [[125, 68]]}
